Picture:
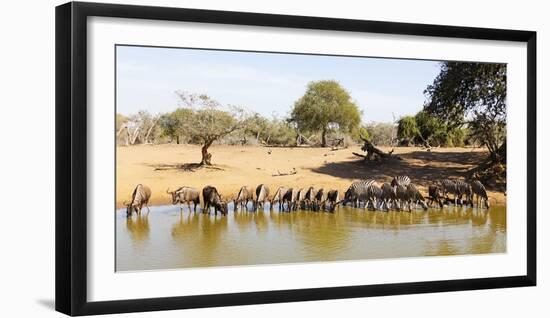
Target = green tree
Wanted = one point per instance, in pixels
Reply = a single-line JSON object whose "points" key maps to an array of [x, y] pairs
{"points": [[325, 106], [209, 122], [407, 130], [175, 124], [472, 95]]}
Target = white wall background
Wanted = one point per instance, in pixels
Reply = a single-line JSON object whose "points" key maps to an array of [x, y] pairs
{"points": [[27, 157]]}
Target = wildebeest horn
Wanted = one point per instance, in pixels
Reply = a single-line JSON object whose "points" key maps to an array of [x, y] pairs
{"points": [[168, 191], [124, 203]]}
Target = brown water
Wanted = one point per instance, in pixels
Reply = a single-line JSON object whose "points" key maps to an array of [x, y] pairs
{"points": [[167, 238]]}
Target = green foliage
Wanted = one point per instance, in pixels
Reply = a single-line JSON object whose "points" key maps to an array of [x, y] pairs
{"points": [[407, 129], [174, 124], [472, 94], [325, 107]]}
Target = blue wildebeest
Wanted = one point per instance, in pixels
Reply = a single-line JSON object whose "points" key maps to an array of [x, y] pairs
{"points": [[278, 197], [185, 195], [212, 198], [300, 199], [140, 197], [319, 200], [290, 198], [309, 197], [262, 195], [333, 199], [435, 195], [245, 194]]}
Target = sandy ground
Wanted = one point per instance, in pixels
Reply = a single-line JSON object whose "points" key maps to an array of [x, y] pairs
{"points": [[170, 166]]}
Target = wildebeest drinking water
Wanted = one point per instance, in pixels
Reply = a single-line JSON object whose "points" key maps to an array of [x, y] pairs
{"points": [[212, 198], [290, 198], [185, 195], [278, 197], [262, 195], [140, 197], [245, 194], [333, 199], [435, 195]]}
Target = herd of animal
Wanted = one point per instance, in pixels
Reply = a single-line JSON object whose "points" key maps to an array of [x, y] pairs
{"points": [[401, 193]]}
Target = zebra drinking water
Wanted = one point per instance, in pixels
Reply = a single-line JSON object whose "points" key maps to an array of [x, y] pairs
{"points": [[478, 189]]}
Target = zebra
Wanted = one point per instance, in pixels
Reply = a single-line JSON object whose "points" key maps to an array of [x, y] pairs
{"points": [[448, 186], [402, 180], [402, 196], [389, 196], [463, 189], [357, 191], [414, 196], [374, 196], [140, 197], [478, 189]]}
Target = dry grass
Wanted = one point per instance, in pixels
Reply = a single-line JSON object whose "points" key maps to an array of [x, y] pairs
{"points": [[171, 166]]}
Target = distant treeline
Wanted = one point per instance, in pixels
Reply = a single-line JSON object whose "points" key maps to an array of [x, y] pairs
{"points": [[466, 104]]}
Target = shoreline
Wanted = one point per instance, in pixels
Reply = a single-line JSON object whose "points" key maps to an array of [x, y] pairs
{"points": [[169, 166]]}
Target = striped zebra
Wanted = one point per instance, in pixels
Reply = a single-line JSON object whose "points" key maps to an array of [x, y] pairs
{"points": [[458, 188], [478, 189], [448, 186], [402, 196], [389, 197], [357, 192], [400, 180], [414, 196], [464, 189], [374, 196]]}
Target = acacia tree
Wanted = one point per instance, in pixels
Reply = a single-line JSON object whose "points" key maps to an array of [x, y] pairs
{"points": [[209, 122], [325, 106], [473, 95]]}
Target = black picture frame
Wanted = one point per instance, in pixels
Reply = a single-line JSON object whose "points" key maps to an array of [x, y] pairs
{"points": [[71, 157]]}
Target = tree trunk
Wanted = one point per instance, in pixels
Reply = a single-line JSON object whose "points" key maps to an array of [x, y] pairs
{"points": [[178, 139], [150, 129], [206, 156], [324, 138]]}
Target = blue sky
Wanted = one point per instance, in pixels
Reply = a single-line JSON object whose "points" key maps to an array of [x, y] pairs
{"points": [[266, 83]]}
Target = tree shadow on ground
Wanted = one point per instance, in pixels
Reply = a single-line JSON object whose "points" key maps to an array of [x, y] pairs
{"points": [[187, 167], [424, 168]]}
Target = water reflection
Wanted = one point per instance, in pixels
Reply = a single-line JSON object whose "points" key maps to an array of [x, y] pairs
{"points": [[138, 227], [186, 239]]}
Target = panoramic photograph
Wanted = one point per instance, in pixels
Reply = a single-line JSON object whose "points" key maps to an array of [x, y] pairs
{"points": [[236, 158]]}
